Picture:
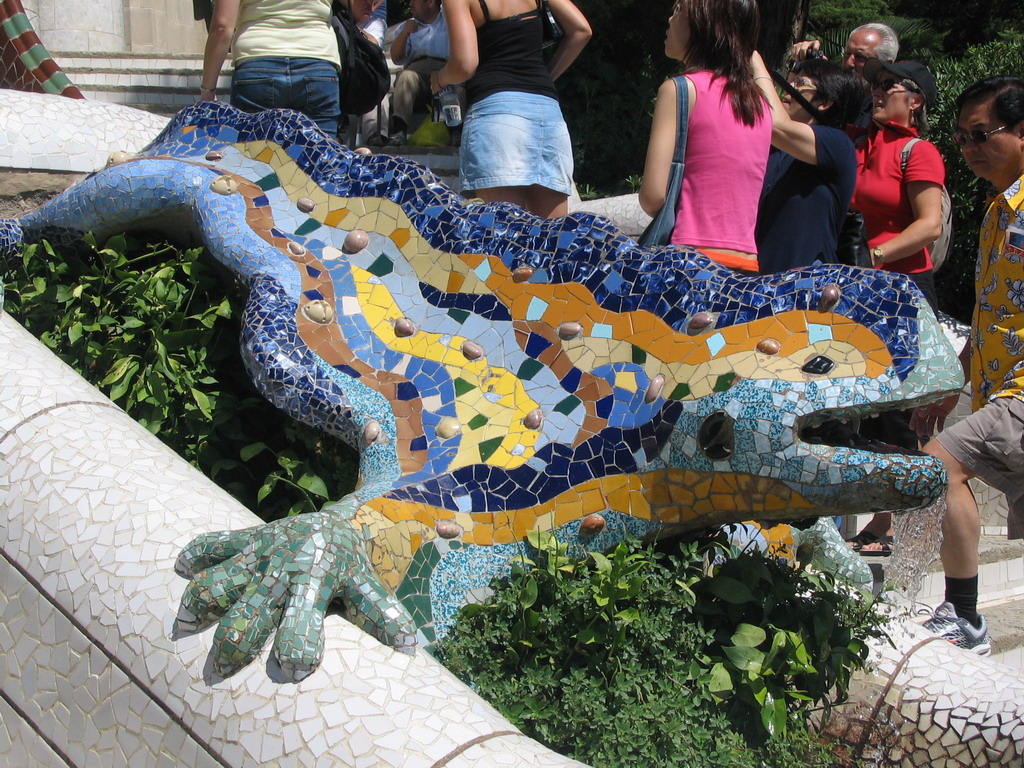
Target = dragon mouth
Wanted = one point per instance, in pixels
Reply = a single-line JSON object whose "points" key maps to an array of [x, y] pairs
{"points": [[873, 474], [843, 433]]}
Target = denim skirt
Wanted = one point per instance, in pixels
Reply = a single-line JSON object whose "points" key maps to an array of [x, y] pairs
{"points": [[513, 139], [309, 86]]}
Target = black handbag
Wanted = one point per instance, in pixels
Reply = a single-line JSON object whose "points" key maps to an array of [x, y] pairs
{"points": [[852, 245], [553, 31], [365, 79], [659, 231]]}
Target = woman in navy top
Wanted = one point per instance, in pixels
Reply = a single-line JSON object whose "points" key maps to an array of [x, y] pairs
{"points": [[812, 167]]}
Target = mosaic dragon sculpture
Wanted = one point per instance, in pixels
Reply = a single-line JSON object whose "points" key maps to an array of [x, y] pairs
{"points": [[499, 373]]}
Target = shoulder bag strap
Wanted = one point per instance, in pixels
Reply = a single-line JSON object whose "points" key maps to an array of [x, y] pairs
{"points": [[682, 118], [905, 154]]}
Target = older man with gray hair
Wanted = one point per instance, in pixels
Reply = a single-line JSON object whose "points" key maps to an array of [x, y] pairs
{"points": [[868, 41]]}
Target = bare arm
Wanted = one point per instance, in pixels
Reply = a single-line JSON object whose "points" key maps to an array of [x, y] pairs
{"points": [[661, 147], [400, 44], [793, 137], [222, 27], [926, 202], [463, 54], [577, 34]]}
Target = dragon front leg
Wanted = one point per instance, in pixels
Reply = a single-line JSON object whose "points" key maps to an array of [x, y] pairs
{"points": [[285, 574]]}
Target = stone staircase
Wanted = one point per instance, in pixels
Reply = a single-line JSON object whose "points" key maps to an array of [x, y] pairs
{"points": [[162, 85]]}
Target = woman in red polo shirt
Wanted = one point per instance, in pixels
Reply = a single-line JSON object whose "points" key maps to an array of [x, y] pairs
{"points": [[902, 207]]}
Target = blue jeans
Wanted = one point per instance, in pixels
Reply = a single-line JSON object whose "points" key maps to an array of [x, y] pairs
{"points": [[309, 86]]}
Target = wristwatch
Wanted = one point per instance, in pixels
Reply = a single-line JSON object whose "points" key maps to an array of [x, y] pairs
{"points": [[877, 256]]}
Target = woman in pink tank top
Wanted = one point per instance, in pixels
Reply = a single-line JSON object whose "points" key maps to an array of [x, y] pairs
{"points": [[728, 136]]}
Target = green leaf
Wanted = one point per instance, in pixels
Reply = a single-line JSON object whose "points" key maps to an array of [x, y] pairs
{"points": [[266, 488], [744, 658], [314, 484], [121, 388], [773, 716], [589, 636], [602, 563], [529, 594], [628, 615], [749, 635], [202, 401], [730, 590], [720, 681], [253, 449]]}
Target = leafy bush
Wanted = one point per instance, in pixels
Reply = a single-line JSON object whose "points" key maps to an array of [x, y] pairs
{"points": [[151, 326], [641, 657]]}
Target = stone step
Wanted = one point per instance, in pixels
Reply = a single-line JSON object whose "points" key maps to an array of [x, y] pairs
{"points": [[160, 84]]}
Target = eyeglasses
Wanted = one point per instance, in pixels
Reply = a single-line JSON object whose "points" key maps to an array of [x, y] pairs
{"points": [[963, 138]]}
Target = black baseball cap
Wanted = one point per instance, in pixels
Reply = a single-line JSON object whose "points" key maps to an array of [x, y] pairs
{"points": [[875, 69]]}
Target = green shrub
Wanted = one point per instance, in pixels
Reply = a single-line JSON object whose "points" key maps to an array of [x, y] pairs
{"points": [[153, 328], [641, 657]]}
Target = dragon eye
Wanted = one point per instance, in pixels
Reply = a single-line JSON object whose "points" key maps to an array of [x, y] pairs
{"points": [[819, 365]]}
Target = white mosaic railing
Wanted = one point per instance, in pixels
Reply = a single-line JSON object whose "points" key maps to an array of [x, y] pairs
{"points": [[95, 512]]}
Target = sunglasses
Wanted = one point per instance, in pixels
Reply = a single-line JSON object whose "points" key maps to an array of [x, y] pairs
{"points": [[963, 138], [888, 85]]}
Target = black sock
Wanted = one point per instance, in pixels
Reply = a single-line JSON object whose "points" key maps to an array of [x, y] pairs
{"points": [[963, 594]]}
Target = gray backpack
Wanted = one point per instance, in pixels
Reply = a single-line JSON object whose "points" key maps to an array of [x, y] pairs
{"points": [[943, 244]]}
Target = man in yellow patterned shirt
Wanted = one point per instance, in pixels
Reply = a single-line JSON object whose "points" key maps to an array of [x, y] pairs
{"points": [[990, 442]]}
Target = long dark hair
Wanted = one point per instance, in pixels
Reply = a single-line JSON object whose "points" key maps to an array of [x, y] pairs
{"points": [[723, 34]]}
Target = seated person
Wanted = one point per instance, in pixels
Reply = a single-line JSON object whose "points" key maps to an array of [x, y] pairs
{"points": [[375, 26], [421, 47]]}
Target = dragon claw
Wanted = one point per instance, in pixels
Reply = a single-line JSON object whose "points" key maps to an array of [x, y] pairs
{"points": [[283, 576]]}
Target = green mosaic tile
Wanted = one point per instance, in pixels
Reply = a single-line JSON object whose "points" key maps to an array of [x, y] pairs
{"points": [[724, 382], [382, 266], [458, 315], [488, 447], [529, 369], [680, 391], [639, 356], [268, 182], [462, 386], [477, 421], [567, 406], [308, 226]]}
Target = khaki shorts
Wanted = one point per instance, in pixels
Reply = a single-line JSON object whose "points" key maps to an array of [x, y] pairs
{"points": [[990, 444]]}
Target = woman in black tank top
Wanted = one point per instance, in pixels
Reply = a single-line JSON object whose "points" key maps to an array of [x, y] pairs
{"points": [[514, 142]]}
